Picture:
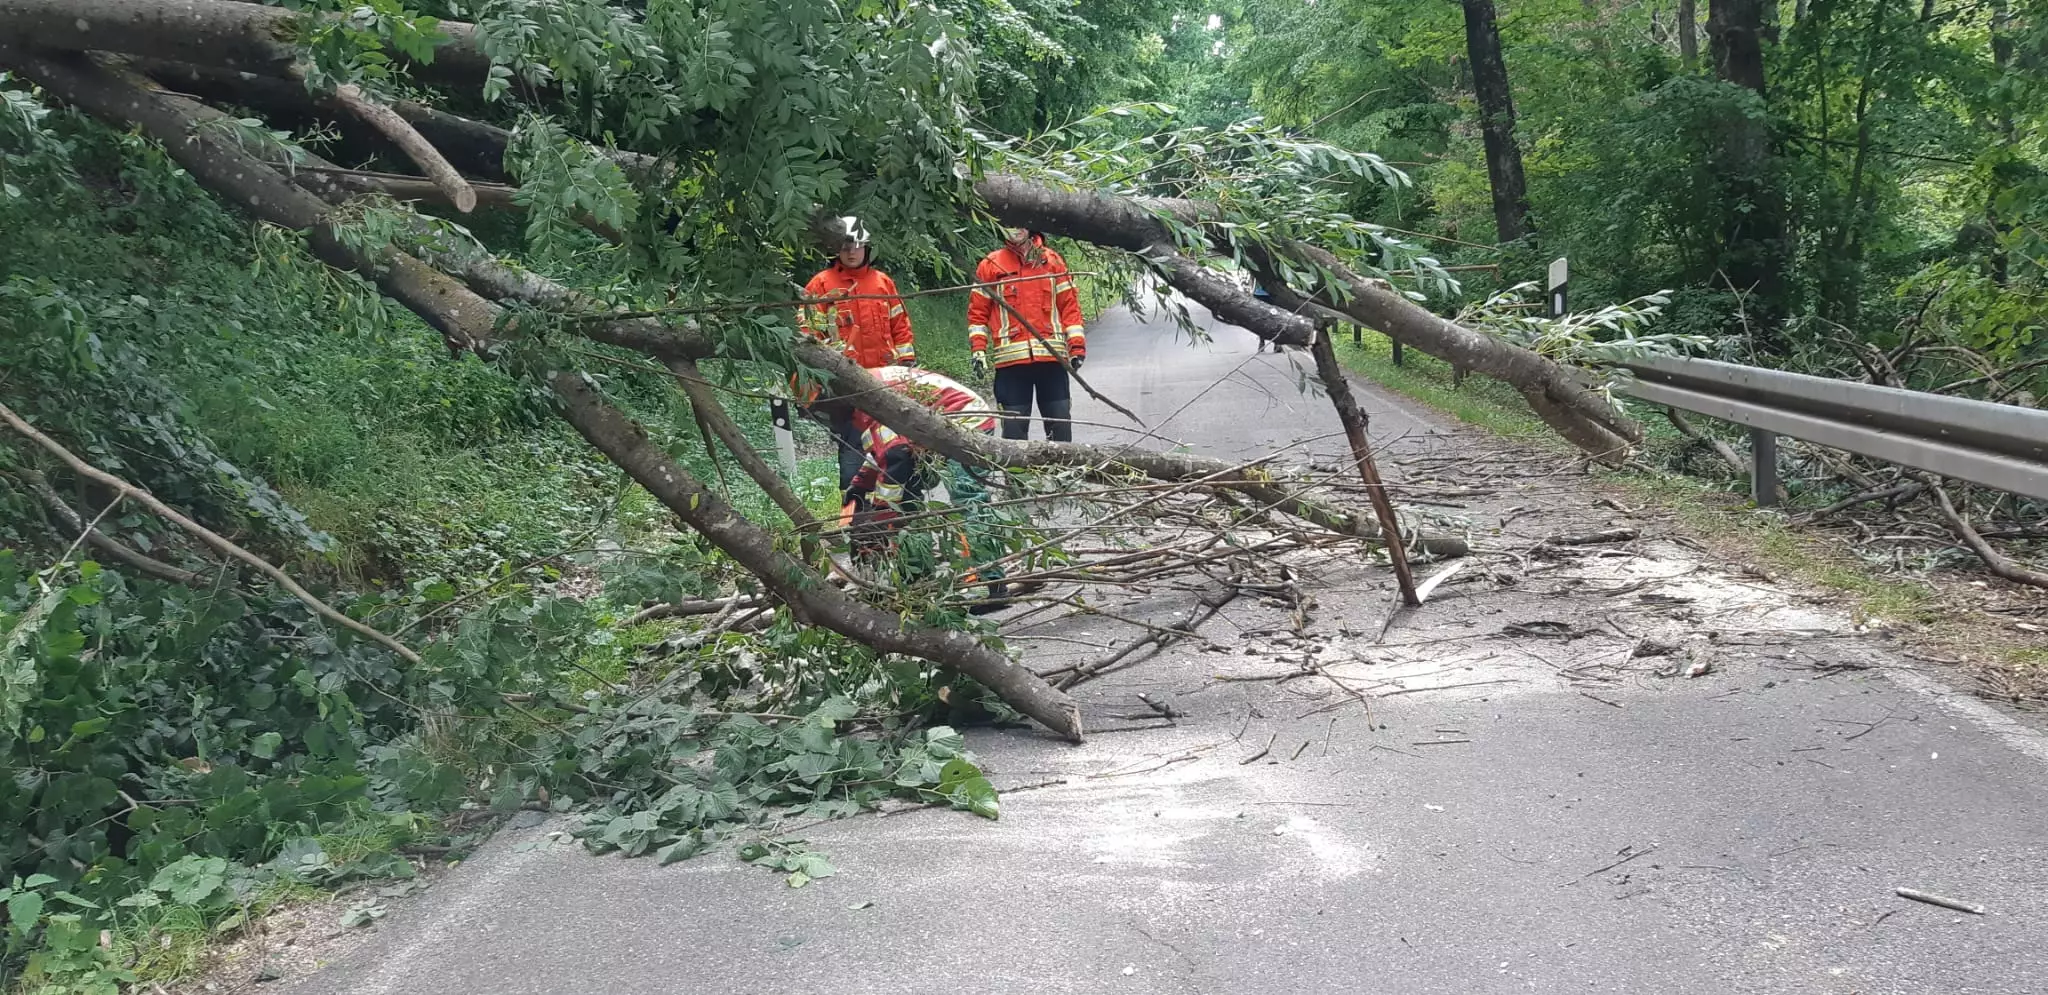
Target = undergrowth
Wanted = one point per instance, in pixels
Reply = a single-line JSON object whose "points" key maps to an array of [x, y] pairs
{"points": [[180, 759]]}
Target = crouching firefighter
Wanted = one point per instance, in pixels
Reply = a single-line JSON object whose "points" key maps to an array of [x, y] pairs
{"points": [[896, 472]]}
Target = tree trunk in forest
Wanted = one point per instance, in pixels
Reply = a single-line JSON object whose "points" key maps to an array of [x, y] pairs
{"points": [[1688, 35], [1842, 262], [221, 165], [2001, 59], [1736, 30], [1755, 250], [1497, 121]]}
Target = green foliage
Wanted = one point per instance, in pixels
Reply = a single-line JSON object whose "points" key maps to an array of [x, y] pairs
{"points": [[29, 151]]}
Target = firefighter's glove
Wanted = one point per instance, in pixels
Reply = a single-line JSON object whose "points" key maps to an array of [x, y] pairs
{"points": [[1075, 363], [980, 364]]}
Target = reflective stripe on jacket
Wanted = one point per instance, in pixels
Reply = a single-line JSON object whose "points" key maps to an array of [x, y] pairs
{"points": [[939, 393], [1050, 309], [871, 329]]}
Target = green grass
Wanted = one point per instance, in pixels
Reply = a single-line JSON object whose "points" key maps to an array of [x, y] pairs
{"points": [[1488, 404], [940, 324]]}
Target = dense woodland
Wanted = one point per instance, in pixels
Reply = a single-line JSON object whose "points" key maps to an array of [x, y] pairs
{"points": [[408, 317]]}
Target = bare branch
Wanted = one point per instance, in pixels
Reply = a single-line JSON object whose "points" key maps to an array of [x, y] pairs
{"points": [[418, 149], [1998, 562], [202, 533], [103, 542]]}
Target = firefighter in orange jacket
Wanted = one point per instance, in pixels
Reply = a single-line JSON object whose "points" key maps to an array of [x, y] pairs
{"points": [[1024, 319], [856, 309]]}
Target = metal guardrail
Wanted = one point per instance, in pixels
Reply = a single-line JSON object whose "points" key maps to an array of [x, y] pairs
{"points": [[1997, 445]]}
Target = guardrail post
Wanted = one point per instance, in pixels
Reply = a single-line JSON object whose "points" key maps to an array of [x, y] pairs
{"points": [[1763, 472]]}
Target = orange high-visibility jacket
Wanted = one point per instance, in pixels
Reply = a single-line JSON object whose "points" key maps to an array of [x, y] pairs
{"points": [[937, 392], [872, 329], [1051, 310]]}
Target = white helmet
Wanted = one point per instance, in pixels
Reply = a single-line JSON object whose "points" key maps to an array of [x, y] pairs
{"points": [[848, 231]]}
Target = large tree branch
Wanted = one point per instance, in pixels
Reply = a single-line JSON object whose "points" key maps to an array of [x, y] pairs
{"points": [[392, 126], [468, 319], [247, 37], [1553, 391], [813, 601]]}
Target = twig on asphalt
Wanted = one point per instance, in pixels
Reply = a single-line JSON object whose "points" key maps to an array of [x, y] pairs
{"points": [[1449, 687], [1652, 848], [1263, 750], [1932, 899]]}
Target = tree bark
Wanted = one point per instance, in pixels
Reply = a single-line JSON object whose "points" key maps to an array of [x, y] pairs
{"points": [[1755, 246], [1496, 121], [813, 601], [228, 34], [1688, 35], [401, 133], [1736, 30]]}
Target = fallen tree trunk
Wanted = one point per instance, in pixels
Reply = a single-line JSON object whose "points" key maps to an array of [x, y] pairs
{"points": [[1557, 395], [1554, 392], [926, 427], [245, 37], [466, 318], [813, 602]]}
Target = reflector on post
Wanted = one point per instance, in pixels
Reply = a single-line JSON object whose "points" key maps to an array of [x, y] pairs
{"points": [[785, 434], [1558, 275]]}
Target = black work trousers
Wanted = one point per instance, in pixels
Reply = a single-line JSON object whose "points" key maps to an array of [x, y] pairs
{"points": [[1047, 381], [851, 449]]}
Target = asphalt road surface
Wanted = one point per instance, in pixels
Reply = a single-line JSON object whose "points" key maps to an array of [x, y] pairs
{"points": [[1510, 813]]}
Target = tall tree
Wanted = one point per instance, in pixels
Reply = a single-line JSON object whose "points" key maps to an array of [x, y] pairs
{"points": [[1688, 35], [1497, 121], [1756, 249]]}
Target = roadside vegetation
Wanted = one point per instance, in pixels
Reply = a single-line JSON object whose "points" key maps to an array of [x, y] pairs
{"points": [[250, 294]]}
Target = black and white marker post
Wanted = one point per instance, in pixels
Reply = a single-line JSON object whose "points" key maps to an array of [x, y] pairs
{"points": [[785, 433], [1558, 275]]}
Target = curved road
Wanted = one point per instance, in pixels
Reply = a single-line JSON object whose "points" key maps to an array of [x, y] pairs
{"points": [[1553, 817]]}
